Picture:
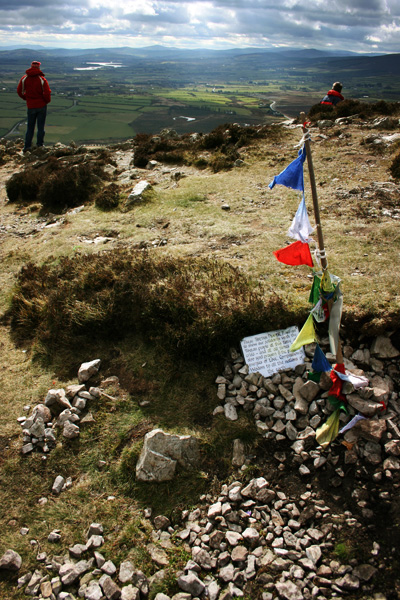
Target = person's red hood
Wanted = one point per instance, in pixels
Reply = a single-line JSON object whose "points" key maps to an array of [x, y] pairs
{"points": [[32, 71]]}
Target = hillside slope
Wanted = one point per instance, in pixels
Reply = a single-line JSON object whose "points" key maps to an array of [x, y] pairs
{"points": [[206, 237]]}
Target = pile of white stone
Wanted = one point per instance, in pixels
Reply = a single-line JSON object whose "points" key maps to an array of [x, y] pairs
{"points": [[81, 573], [290, 407], [255, 536], [251, 536], [61, 410]]}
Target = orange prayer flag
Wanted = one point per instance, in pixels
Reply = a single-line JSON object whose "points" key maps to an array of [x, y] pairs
{"points": [[297, 253]]}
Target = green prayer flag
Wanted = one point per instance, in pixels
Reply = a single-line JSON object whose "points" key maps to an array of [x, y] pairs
{"points": [[316, 377], [315, 290], [336, 402]]}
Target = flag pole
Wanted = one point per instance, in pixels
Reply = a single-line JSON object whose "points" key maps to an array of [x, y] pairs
{"points": [[324, 262]]}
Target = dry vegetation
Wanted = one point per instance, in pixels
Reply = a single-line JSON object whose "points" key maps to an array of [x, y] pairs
{"points": [[159, 291]]}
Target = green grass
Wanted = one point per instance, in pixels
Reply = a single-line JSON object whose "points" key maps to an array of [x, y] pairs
{"points": [[89, 127]]}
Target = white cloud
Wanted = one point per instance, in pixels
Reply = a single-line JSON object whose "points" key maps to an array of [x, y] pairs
{"points": [[358, 25]]}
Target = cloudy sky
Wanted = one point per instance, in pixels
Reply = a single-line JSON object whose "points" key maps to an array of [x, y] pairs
{"points": [[357, 25]]}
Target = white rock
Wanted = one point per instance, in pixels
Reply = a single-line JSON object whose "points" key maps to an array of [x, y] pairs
{"points": [[57, 485], [230, 412], [10, 561], [88, 369]]}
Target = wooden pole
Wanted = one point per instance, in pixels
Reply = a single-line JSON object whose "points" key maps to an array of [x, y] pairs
{"points": [[324, 262]]}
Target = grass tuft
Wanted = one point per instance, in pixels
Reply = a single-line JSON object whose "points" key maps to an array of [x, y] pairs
{"points": [[196, 306], [108, 198], [59, 182]]}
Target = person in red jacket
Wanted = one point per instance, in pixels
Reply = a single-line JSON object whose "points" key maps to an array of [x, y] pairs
{"points": [[34, 88], [334, 95]]}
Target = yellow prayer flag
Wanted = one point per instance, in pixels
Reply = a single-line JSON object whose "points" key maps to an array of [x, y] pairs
{"points": [[306, 335], [326, 282], [329, 430]]}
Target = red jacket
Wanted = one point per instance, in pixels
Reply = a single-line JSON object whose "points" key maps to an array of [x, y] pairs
{"points": [[332, 98], [33, 88]]}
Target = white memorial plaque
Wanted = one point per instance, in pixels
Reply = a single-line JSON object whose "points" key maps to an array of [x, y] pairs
{"points": [[268, 353]]}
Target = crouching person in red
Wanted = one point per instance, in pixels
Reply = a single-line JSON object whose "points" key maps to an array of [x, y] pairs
{"points": [[34, 89], [334, 95]]}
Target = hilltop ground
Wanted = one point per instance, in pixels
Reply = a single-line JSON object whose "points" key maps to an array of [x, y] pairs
{"points": [[190, 213]]}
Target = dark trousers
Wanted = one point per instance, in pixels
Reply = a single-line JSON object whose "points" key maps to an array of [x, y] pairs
{"points": [[36, 116]]}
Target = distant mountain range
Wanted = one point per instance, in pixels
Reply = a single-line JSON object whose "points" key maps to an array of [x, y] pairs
{"points": [[250, 63], [158, 51]]}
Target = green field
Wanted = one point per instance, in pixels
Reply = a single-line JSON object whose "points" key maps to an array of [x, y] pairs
{"points": [[121, 114], [110, 105]]}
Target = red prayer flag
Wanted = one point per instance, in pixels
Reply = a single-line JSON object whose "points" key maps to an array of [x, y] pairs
{"points": [[337, 383], [297, 253]]}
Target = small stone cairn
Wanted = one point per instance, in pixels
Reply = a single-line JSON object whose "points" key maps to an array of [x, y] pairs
{"points": [[290, 407], [61, 410]]}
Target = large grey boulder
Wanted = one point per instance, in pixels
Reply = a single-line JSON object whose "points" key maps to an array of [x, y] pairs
{"points": [[153, 466], [162, 452]]}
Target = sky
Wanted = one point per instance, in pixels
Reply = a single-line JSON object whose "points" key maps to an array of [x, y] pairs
{"points": [[358, 25]]}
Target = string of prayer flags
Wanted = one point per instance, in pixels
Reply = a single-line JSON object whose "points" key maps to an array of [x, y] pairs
{"points": [[325, 295], [306, 335], [297, 253], [292, 176]]}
